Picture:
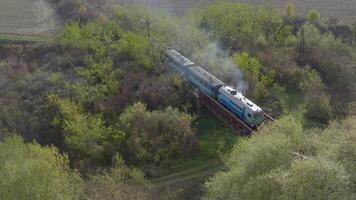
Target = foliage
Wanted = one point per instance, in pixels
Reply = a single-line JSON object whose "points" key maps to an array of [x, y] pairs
{"points": [[101, 79], [119, 182], [333, 61], [158, 136], [105, 64], [32, 172], [290, 9], [282, 162], [87, 135], [103, 38], [285, 37], [253, 70], [164, 27], [313, 15], [137, 48], [317, 101], [239, 25]]}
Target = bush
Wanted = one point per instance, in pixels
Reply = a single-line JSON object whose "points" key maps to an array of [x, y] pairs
{"points": [[29, 171], [239, 25], [284, 162], [319, 109], [317, 102], [157, 136], [87, 136], [119, 182]]}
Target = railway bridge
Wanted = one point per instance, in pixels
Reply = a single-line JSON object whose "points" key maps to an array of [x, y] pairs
{"points": [[225, 115]]}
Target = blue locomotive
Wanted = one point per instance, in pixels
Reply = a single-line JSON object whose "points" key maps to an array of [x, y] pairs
{"points": [[215, 88]]}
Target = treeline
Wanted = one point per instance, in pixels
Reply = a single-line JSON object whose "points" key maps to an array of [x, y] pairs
{"points": [[113, 115]]}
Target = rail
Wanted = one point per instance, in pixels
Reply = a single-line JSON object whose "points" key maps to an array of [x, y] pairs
{"points": [[268, 117]]}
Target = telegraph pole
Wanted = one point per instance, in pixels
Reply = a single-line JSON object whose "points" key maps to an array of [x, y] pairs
{"points": [[301, 47], [148, 24]]}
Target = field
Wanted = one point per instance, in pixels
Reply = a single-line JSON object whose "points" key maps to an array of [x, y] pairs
{"points": [[37, 17], [13, 38], [344, 10], [27, 17]]}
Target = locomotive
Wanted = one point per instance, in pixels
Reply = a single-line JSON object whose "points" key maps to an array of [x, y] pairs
{"points": [[226, 95]]}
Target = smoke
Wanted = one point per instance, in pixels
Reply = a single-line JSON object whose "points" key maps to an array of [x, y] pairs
{"points": [[219, 63], [211, 57]]}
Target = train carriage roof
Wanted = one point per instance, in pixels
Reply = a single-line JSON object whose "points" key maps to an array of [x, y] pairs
{"points": [[241, 99], [206, 76], [179, 58]]}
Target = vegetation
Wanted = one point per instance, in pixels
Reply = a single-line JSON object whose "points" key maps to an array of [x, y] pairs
{"points": [[29, 171], [159, 135], [284, 162], [101, 93]]}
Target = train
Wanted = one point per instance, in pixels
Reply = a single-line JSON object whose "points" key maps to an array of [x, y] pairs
{"points": [[207, 83]]}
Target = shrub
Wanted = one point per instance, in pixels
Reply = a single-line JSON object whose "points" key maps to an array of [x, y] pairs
{"points": [[158, 136], [283, 161], [29, 171]]}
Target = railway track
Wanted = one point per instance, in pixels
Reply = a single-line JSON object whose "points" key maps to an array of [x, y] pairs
{"points": [[224, 114]]}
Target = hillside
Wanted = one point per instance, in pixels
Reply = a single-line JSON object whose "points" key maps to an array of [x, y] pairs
{"points": [[32, 17], [129, 102]]}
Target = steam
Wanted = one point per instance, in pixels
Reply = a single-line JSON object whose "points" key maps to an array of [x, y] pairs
{"points": [[219, 63]]}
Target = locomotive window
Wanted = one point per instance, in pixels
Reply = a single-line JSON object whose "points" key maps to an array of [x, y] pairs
{"points": [[249, 115]]}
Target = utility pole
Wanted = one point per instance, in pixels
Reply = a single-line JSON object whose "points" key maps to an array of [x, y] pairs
{"points": [[148, 24], [301, 47]]}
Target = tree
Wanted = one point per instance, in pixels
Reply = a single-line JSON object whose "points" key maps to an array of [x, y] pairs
{"points": [[119, 182], [290, 9], [32, 172], [252, 68], [157, 136], [282, 161], [87, 135], [239, 25], [313, 15], [317, 101]]}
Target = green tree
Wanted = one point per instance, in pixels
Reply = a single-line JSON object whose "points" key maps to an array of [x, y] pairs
{"points": [[87, 135], [317, 101], [283, 161], [313, 15], [290, 9], [31, 172], [157, 136], [119, 182], [101, 78], [259, 82], [239, 25]]}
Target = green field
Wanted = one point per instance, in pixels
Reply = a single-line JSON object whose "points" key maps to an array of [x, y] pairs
{"points": [[21, 38]]}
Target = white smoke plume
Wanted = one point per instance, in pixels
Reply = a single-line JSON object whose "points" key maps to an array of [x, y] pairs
{"points": [[219, 63]]}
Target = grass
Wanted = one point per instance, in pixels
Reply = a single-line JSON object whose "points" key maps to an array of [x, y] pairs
{"points": [[214, 139], [214, 142], [21, 38]]}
